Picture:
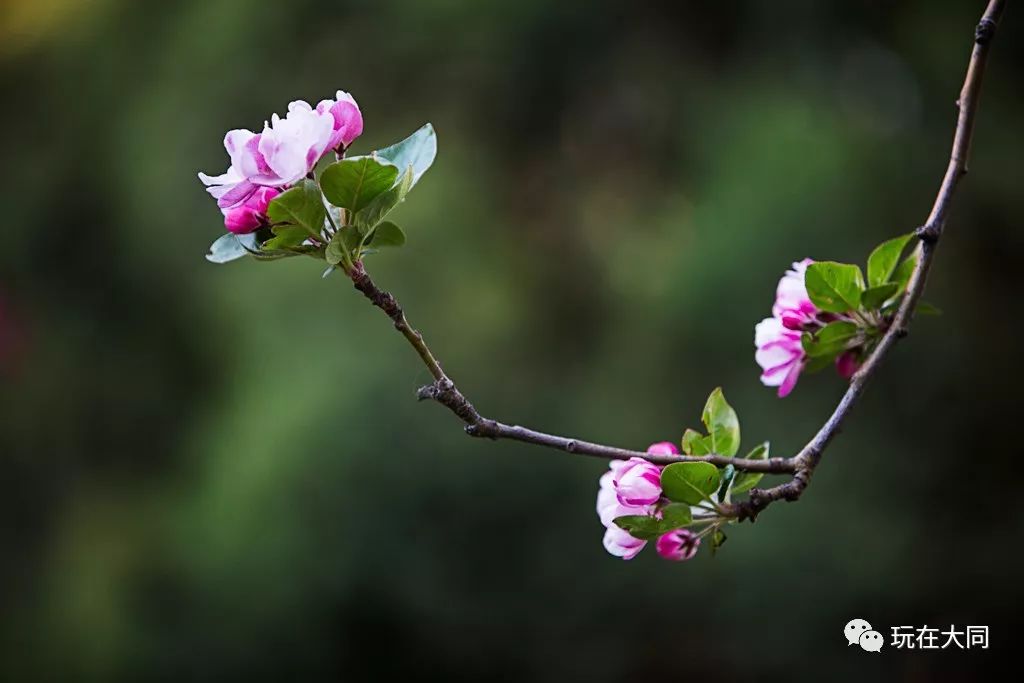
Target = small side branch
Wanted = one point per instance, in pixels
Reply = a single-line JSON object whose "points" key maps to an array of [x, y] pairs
{"points": [[929, 234]]}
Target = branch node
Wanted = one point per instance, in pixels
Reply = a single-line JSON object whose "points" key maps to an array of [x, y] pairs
{"points": [[928, 233], [986, 29]]}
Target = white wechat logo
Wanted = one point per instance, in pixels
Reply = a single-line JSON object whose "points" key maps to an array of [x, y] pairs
{"points": [[871, 641], [854, 630], [859, 632]]}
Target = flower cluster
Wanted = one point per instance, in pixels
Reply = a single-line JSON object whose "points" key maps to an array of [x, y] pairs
{"points": [[633, 487], [265, 164], [779, 339]]}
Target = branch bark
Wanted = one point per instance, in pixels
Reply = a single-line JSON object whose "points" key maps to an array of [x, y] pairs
{"points": [[802, 466], [444, 391]]}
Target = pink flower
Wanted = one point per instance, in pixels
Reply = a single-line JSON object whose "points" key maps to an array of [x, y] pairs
{"points": [[619, 543], [636, 481], [348, 120], [779, 353], [793, 307], [678, 545], [608, 505], [251, 213], [630, 487], [281, 155], [663, 448]]}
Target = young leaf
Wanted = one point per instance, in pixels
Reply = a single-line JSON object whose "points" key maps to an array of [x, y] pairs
{"points": [[695, 443], [747, 480], [830, 340], [374, 212], [640, 526], [873, 298], [882, 261], [722, 424], [416, 151], [689, 482], [817, 364], [903, 272], [925, 308], [336, 248], [718, 539], [302, 205], [230, 246], [728, 474], [675, 516], [387, 234], [353, 183], [285, 236], [834, 287]]}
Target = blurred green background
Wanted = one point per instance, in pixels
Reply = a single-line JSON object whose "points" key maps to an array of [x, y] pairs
{"points": [[211, 473]]}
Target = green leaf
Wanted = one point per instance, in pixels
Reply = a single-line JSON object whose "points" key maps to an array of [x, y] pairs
{"points": [[689, 482], [830, 340], [834, 287], [718, 539], [675, 516], [302, 205], [353, 183], [645, 527], [728, 473], [903, 272], [374, 212], [351, 238], [694, 443], [882, 261], [925, 308], [818, 364], [336, 248], [387, 234], [722, 424], [230, 246], [286, 236], [874, 297], [640, 526], [747, 480], [416, 151]]}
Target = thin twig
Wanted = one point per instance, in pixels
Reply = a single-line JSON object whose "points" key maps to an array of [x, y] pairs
{"points": [[444, 391]]}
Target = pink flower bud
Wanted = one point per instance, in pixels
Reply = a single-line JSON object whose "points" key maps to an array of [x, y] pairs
{"points": [[678, 545], [636, 481], [848, 363], [348, 120], [252, 213], [663, 448]]}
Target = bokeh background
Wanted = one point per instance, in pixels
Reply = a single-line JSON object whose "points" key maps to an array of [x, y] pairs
{"points": [[219, 472]]}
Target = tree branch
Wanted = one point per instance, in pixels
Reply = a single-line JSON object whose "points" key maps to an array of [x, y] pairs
{"points": [[808, 458], [444, 391]]}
